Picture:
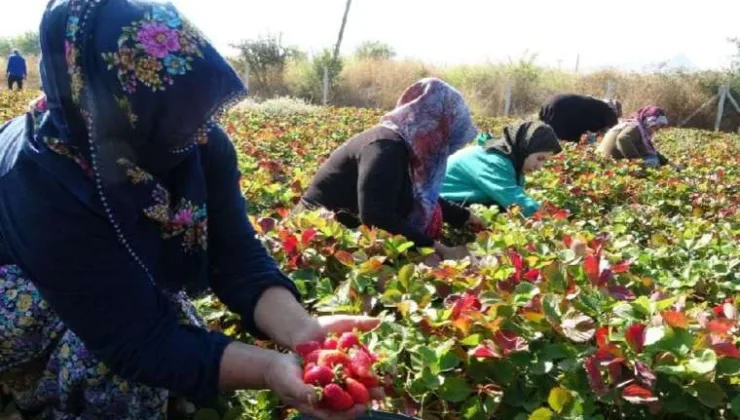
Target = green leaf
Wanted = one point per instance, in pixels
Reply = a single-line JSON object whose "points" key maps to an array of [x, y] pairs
{"points": [[643, 305], [471, 340], [454, 389], [448, 361], [674, 370], [654, 335], [710, 394], [541, 414], [551, 307], [728, 367], [735, 405], [473, 409], [677, 341], [705, 362], [405, 274], [207, 414], [559, 399]]}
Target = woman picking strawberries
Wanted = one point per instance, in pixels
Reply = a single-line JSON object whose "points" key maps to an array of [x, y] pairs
{"points": [[117, 199], [492, 172], [391, 175]]}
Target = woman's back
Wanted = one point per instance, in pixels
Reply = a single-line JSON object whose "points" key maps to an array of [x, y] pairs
{"points": [[335, 185]]}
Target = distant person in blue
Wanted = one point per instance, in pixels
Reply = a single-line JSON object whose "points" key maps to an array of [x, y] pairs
{"points": [[118, 195], [16, 71], [493, 171]]}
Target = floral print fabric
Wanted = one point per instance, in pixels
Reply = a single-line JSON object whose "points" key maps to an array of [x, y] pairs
{"points": [[48, 370]]}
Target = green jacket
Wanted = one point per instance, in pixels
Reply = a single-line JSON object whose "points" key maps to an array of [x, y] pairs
{"points": [[475, 176]]}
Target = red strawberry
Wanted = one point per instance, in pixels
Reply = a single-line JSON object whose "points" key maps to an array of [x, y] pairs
{"points": [[359, 393], [304, 349], [361, 364], [312, 358], [347, 341], [332, 358], [318, 375], [336, 398], [330, 344], [371, 382]]}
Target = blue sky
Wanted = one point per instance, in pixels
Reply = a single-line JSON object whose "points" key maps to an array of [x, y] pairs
{"points": [[626, 33]]}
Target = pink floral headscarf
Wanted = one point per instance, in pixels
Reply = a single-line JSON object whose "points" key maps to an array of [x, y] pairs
{"points": [[434, 120], [646, 118]]}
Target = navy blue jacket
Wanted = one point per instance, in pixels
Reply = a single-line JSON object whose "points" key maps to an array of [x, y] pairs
{"points": [[93, 285], [16, 66]]}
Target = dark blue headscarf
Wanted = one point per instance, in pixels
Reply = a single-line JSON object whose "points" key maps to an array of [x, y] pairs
{"points": [[132, 90]]}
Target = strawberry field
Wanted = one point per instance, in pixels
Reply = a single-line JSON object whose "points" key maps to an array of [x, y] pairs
{"points": [[618, 300]]}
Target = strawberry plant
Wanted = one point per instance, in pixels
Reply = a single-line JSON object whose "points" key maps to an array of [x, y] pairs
{"points": [[618, 299]]}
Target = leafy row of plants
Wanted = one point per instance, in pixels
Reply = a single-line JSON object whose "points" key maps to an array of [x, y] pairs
{"points": [[619, 299]]}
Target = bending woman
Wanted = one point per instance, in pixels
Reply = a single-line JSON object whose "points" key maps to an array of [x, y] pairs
{"points": [[633, 138], [117, 195], [492, 172], [575, 116], [390, 176]]}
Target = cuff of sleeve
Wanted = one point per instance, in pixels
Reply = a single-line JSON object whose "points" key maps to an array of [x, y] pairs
{"points": [[268, 281], [211, 389]]}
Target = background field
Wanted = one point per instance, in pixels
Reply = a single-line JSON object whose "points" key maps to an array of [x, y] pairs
{"points": [[641, 324]]}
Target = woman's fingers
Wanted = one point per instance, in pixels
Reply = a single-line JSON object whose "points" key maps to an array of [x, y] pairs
{"points": [[345, 323]]}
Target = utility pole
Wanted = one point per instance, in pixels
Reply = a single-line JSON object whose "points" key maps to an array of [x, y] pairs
{"points": [[341, 30]]}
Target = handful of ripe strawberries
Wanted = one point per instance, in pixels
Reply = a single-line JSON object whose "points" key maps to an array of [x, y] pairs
{"points": [[341, 369]]}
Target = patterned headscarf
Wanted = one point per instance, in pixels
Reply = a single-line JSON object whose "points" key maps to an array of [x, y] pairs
{"points": [[647, 118], [521, 140], [434, 120], [131, 91]]}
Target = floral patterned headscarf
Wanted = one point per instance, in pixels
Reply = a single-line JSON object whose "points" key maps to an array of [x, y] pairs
{"points": [[646, 118], [131, 92], [434, 120]]}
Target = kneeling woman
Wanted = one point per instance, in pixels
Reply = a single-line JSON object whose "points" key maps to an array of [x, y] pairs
{"points": [[492, 172], [633, 138], [116, 197], [390, 176]]}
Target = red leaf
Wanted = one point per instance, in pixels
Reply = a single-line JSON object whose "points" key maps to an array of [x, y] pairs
{"points": [[591, 268], [602, 336], [290, 244], [635, 336], [267, 224], [621, 292], [486, 350], [594, 376], [307, 236], [464, 305], [567, 240], [532, 275], [621, 268], [675, 319], [560, 215], [638, 395], [720, 326], [283, 212], [615, 371], [727, 349], [509, 342], [345, 258], [517, 261]]}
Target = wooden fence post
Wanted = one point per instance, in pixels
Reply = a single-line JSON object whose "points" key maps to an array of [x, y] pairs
{"points": [[326, 86], [721, 106], [507, 99]]}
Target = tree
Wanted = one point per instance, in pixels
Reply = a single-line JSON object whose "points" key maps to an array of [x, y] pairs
{"points": [[335, 56], [375, 50], [265, 58], [27, 44]]}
